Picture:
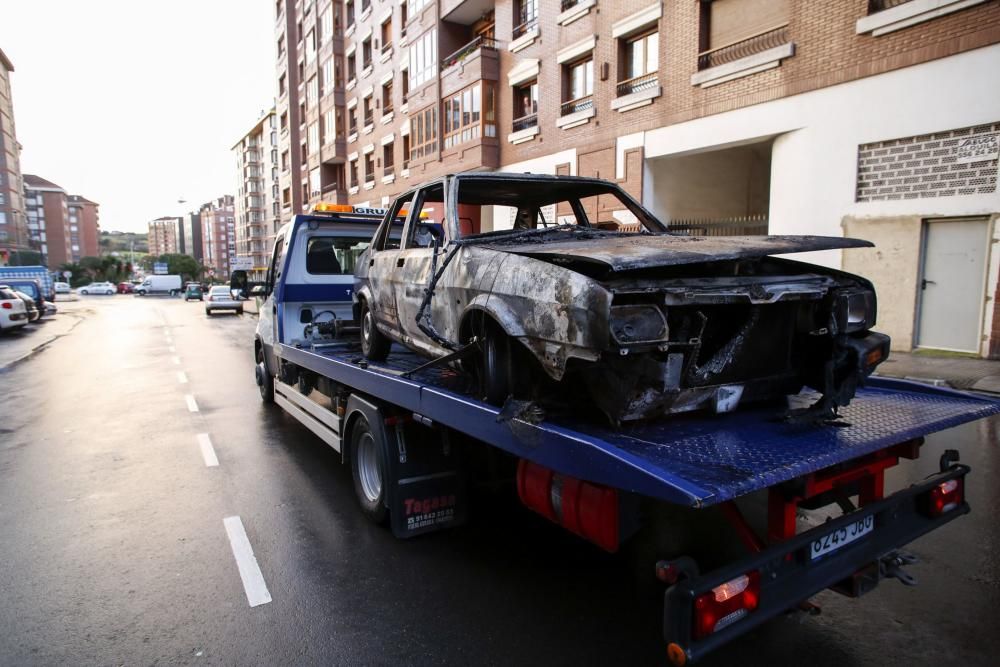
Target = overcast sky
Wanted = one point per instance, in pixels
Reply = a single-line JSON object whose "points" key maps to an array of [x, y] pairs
{"points": [[137, 104]]}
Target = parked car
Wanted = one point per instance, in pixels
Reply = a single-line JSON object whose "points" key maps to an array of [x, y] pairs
{"points": [[62, 288], [126, 288], [221, 298], [50, 309], [30, 286], [568, 281], [13, 314], [193, 291], [98, 288], [29, 305]]}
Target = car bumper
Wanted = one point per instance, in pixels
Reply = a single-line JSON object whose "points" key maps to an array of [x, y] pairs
{"points": [[788, 575], [223, 305]]}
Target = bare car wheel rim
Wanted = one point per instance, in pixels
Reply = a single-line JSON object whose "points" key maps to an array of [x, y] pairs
{"points": [[368, 470], [366, 328]]}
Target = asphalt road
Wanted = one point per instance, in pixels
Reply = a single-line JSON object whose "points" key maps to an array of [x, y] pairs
{"points": [[114, 548]]}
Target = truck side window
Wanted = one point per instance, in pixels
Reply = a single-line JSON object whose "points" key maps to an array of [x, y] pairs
{"points": [[276, 256]]}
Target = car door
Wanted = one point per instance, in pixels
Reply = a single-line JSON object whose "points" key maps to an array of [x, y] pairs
{"points": [[422, 237], [267, 322], [382, 264]]}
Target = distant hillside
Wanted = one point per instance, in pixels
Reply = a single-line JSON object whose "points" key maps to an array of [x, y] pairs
{"points": [[123, 242]]}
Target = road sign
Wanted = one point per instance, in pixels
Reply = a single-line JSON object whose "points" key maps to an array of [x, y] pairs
{"points": [[241, 264], [160, 268], [67, 275]]}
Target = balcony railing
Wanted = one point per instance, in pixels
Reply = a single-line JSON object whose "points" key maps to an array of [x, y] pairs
{"points": [[755, 44], [354, 182], [567, 4], [388, 170], [369, 178], [386, 47], [746, 225], [524, 122], [480, 42], [386, 109], [878, 5], [637, 84], [525, 26], [579, 104], [369, 119]]}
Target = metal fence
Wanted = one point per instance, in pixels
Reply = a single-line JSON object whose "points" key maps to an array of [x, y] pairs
{"points": [[747, 225]]}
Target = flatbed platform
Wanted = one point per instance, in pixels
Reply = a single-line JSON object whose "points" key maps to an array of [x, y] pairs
{"points": [[696, 460]]}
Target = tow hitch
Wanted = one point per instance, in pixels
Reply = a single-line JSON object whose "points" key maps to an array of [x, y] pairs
{"points": [[891, 566]]}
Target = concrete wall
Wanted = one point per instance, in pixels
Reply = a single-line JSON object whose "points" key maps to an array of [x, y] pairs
{"points": [[897, 244]]}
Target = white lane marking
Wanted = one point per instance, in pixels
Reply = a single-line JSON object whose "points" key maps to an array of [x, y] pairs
{"points": [[192, 406], [182, 377], [177, 360], [207, 451], [253, 578]]}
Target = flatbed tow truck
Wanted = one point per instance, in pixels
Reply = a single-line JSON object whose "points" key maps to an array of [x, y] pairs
{"points": [[411, 430]]}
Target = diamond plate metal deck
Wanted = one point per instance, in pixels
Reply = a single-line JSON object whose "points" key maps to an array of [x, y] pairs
{"points": [[696, 460]]}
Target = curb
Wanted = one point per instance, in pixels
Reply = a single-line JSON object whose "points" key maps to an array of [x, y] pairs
{"points": [[41, 346]]}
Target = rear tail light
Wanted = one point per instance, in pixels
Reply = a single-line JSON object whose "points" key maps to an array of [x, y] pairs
{"points": [[726, 603], [945, 497], [7, 305], [586, 509]]}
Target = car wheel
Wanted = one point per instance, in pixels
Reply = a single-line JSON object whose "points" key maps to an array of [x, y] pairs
{"points": [[374, 345], [265, 383], [368, 470], [83, 291], [109, 292], [495, 372], [239, 311], [208, 312]]}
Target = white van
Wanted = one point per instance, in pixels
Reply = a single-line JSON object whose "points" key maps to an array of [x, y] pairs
{"points": [[170, 284]]}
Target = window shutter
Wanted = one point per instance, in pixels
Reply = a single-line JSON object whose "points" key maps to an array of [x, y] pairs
{"points": [[735, 20]]}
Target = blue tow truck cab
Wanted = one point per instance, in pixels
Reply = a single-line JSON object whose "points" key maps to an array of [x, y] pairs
{"points": [[413, 433]]}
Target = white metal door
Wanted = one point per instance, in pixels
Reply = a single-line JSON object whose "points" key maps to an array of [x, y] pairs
{"points": [[954, 279]]}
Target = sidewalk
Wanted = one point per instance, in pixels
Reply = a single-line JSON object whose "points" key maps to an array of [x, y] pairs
{"points": [[18, 345], [944, 370]]}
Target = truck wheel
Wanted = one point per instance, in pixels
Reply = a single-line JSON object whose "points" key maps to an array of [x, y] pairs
{"points": [[265, 383], [374, 345], [368, 471]]}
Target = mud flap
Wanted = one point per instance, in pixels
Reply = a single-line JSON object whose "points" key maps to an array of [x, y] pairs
{"points": [[427, 489]]}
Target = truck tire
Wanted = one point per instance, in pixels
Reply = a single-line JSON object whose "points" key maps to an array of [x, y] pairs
{"points": [[374, 345], [495, 368], [368, 470], [265, 382]]}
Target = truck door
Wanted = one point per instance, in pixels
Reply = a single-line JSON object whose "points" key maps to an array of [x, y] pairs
{"points": [[267, 324], [382, 265]]}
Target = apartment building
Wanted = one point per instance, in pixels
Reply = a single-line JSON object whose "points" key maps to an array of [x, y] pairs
{"points": [[258, 207], [190, 237], [218, 235], [164, 236], [14, 235], [84, 227], [875, 118]]}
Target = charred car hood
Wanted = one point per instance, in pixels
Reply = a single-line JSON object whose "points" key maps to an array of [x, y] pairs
{"points": [[626, 252]]}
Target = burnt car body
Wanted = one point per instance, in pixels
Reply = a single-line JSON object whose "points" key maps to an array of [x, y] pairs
{"points": [[578, 285]]}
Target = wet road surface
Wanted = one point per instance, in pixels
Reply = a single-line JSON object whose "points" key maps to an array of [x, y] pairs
{"points": [[118, 543]]}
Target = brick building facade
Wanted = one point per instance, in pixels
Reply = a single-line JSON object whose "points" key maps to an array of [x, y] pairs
{"points": [[218, 235], [14, 235], [746, 115], [164, 236]]}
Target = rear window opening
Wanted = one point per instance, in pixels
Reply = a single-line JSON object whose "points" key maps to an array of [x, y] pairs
{"points": [[332, 255]]}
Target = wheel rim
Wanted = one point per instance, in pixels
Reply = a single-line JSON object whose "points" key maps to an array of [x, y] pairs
{"points": [[368, 470], [366, 328]]}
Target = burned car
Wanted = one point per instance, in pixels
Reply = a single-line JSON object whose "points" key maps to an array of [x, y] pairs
{"points": [[552, 284]]}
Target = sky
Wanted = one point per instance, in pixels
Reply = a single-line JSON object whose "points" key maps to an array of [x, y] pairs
{"points": [[136, 105]]}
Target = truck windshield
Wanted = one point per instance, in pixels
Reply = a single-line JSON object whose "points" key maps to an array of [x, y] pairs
{"points": [[333, 255]]}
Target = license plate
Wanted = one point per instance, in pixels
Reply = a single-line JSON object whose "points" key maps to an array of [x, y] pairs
{"points": [[841, 537]]}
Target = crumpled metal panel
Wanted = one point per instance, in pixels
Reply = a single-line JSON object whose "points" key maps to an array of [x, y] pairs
{"points": [[624, 252]]}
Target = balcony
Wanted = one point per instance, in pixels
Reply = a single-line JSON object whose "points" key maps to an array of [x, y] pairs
{"points": [[576, 106], [881, 5], [637, 84], [468, 50], [526, 26], [476, 61], [885, 16], [525, 122], [745, 48]]}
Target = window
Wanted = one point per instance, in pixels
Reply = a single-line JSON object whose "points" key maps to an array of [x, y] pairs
{"points": [[310, 46], [578, 86], [423, 131], [387, 97], [332, 255], [414, 6], [313, 142], [388, 159], [314, 183], [326, 25], [328, 76], [281, 46], [354, 173], [386, 33], [312, 92], [329, 126], [284, 161], [423, 59], [369, 111], [352, 121], [734, 29], [526, 106], [282, 85], [366, 53], [525, 16], [352, 66], [349, 12], [640, 60], [406, 151], [370, 167], [469, 114]]}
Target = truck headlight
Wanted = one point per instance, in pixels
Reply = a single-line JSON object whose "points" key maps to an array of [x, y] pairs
{"points": [[637, 324], [855, 310]]}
